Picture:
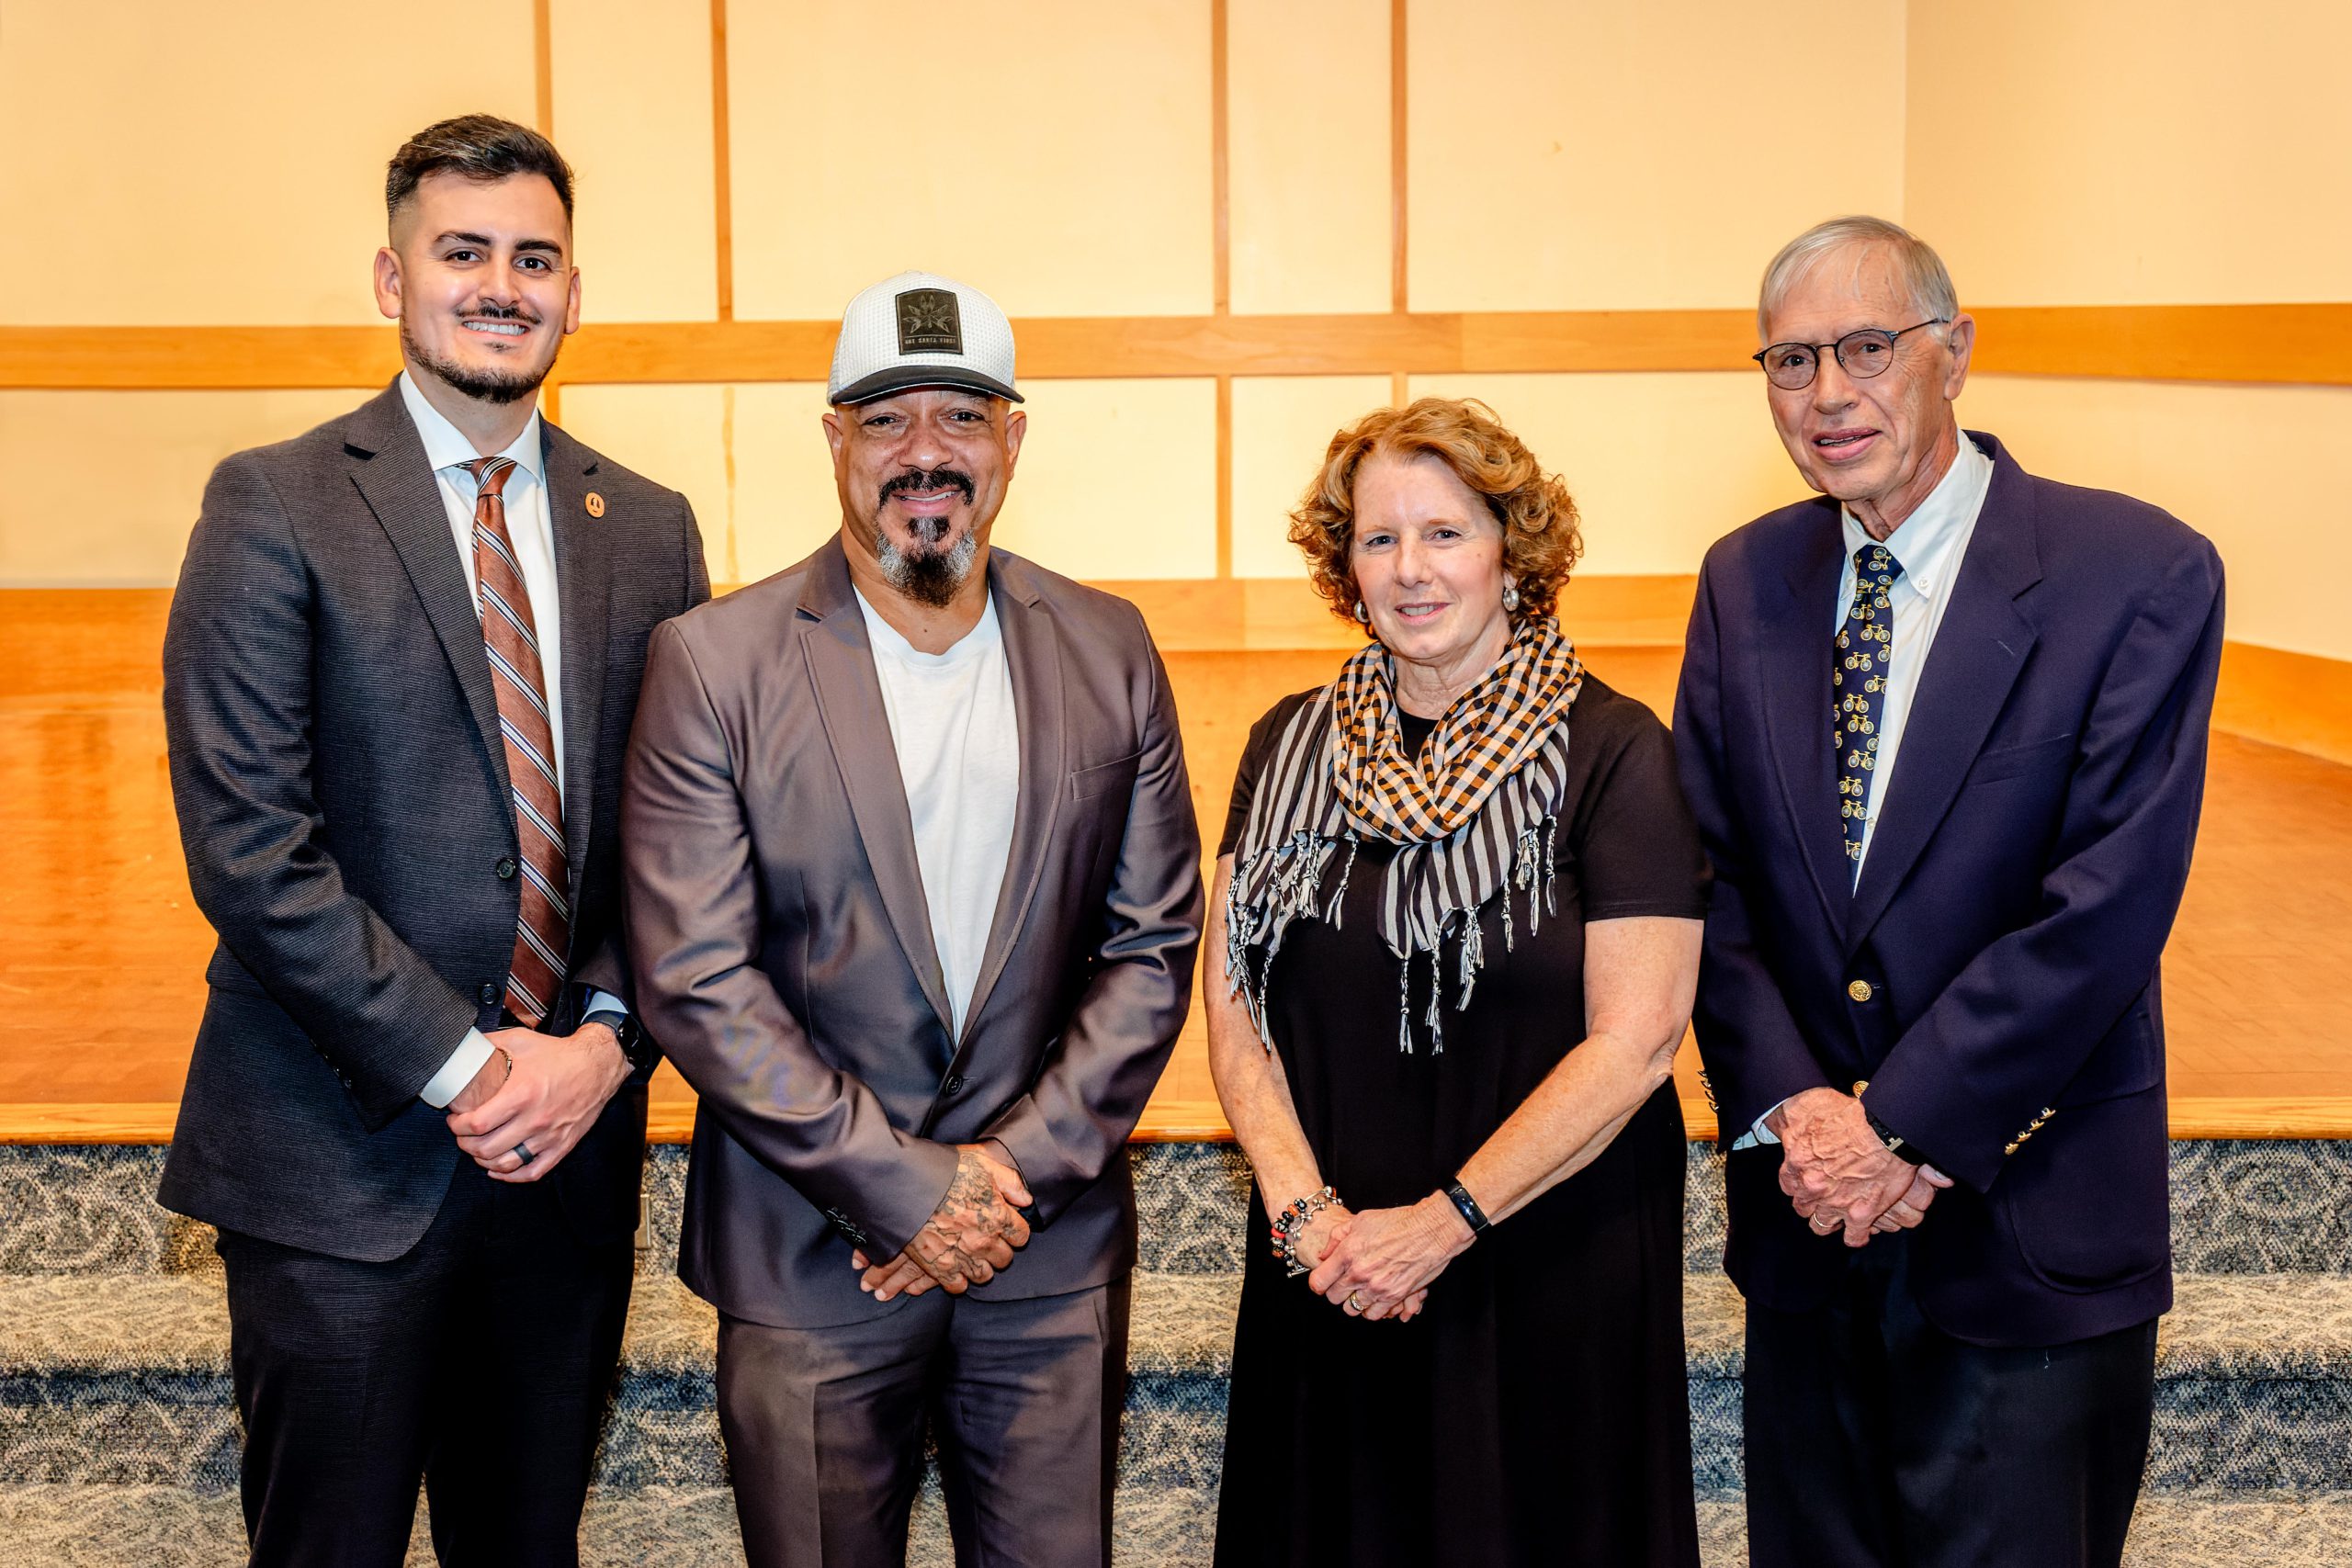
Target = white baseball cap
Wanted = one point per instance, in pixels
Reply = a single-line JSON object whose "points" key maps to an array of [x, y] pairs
{"points": [[920, 330]]}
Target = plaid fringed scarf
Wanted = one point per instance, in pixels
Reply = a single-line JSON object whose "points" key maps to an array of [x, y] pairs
{"points": [[1472, 816]]}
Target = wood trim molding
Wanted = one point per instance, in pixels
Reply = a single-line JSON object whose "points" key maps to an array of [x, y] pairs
{"points": [[543, 67], [672, 1122], [2298, 344], [2297, 700], [1400, 279], [721, 163], [2305, 344]]}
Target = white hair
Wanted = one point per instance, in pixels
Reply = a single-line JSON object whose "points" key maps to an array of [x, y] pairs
{"points": [[1917, 264]]}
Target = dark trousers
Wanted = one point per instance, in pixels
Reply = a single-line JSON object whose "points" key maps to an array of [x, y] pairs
{"points": [[824, 1429], [1877, 1440], [481, 1361]]}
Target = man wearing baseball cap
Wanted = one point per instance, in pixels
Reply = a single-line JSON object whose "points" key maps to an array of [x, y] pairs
{"points": [[913, 898]]}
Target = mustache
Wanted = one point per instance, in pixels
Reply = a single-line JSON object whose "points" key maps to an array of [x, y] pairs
{"points": [[500, 313], [927, 478]]}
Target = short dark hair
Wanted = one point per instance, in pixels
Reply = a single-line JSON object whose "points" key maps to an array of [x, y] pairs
{"points": [[480, 147]]}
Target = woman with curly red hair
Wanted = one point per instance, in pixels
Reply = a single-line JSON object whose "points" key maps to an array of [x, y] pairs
{"points": [[1457, 925]]}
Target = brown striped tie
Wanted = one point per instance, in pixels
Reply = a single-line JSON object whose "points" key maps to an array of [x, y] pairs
{"points": [[543, 924]]}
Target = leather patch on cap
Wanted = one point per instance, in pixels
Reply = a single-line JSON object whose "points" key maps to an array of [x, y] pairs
{"points": [[929, 323]]}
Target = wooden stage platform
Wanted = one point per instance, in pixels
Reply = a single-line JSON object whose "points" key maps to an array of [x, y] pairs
{"points": [[102, 950]]}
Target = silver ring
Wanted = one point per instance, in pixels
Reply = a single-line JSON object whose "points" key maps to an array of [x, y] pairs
{"points": [[522, 1153], [1355, 1301]]}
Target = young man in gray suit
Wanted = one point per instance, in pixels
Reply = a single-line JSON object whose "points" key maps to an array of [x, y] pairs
{"points": [[913, 887], [397, 683]]}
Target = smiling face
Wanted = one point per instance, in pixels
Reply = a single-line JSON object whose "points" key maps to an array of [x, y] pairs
{"points": [[1880, 442], [1428, 559], [922, 477], [479, 276]]}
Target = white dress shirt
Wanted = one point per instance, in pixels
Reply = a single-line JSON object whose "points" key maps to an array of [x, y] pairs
{"points": [[958, 742], [526, 498], [1930, 543]]}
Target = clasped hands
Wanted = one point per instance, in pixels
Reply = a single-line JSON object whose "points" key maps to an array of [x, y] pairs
{"points": [[970, 1236], [537, 1092], [1380, 1264], [1841, 1177]]}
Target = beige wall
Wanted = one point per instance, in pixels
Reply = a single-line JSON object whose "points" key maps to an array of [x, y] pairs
{"points": [[223, 168]]}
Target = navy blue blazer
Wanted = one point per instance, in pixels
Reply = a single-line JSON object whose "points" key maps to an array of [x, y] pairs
{"points": [[1994, 975]]}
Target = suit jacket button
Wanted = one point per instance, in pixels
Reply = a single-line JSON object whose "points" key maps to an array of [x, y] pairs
{"points": [[954, 1084], [1858, 989], [488, 994], [506, 868]]}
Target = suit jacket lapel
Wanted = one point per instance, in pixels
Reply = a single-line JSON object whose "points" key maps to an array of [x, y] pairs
{"points": [[1794, 649], [393, 477], [848, 704], [1033, 648], [584, 581], [1979, 651]]}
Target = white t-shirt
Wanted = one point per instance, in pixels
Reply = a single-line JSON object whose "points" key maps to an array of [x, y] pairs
{"points": [[952, 725]]}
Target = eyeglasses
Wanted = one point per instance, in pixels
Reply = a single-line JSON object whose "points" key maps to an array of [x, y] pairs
{"points": [[1862, 354]]}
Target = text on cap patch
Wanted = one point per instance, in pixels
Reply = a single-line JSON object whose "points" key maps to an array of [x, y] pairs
{"points": [[929, 323]]}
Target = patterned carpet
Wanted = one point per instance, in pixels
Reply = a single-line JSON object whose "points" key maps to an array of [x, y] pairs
{"points": [[118, 1442]]}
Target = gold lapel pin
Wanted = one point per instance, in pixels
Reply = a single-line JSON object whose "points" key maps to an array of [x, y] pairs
{"points": [[595, 504]]}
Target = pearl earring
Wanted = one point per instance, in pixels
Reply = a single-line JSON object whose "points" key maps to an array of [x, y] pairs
{"points": [[1361, 617], [1510, 597]]}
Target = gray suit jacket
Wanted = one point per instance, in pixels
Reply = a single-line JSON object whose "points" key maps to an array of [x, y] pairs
{"points": [[783, 950], [343, 802]]}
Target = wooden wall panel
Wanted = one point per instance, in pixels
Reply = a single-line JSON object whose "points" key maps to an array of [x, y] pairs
{"points": [[630, 84], [2132, 151], [1308, 122], [1055, 153], [190, 164], [1612, 156], [103, 487], [1117, 479], [1281, 426]]}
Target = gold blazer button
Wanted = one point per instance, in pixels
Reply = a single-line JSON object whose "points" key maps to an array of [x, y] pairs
{"points": [[1860, 990]]}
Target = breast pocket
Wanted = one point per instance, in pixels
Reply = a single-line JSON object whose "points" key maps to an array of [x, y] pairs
{"points": [[2013, 762], [1103, 778]]}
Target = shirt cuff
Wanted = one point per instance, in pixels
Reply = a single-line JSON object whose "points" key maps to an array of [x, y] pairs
{"points": [[604, 1002], [1758, 1134], [472, 1053]]}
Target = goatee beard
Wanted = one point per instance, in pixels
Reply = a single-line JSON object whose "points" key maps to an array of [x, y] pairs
{"points": [[482, 386], [932, 577]]}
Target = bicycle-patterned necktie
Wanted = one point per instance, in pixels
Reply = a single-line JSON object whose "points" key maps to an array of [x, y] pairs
{"points": [[1857, 677], [543, 923]]}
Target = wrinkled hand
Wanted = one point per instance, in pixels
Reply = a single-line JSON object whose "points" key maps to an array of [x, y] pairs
{"points": [[557, 1089], [1834, 1169], [977, 1228], [1386, 1258], [1323, 1229]]}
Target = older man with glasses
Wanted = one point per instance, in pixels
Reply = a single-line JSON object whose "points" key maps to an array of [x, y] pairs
{"points": [[1943, 729]]}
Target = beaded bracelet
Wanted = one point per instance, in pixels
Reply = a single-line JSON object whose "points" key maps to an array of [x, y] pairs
{"points": [[1292, 1221]]}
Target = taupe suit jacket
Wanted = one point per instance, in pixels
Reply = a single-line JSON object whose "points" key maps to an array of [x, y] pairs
{"points": [[783, 953]]}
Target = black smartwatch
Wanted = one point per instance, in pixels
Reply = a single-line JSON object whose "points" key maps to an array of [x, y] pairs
{"points": [[639, 1052], [1472, 1215]]}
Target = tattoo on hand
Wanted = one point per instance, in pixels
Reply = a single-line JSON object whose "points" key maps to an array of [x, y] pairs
{"points": [[973, 1200]]}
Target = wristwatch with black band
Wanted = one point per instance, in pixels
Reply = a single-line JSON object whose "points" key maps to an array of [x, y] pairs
{"points": [[641, 1053], [1897, 1145]]}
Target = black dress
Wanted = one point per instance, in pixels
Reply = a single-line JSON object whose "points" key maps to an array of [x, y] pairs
{"points": [[1536, 1411]]}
